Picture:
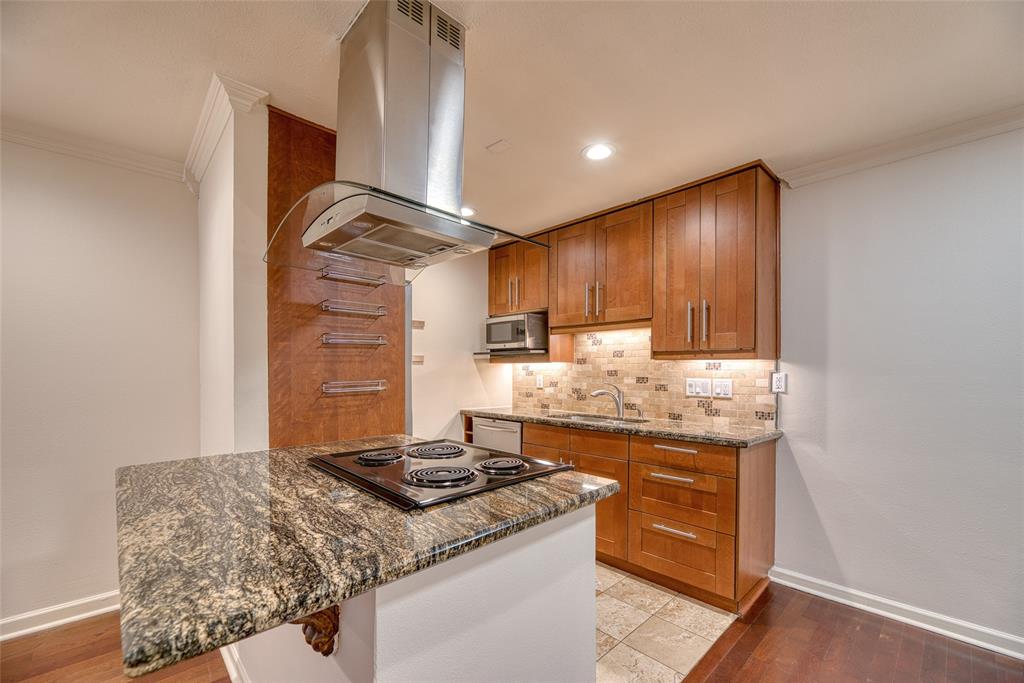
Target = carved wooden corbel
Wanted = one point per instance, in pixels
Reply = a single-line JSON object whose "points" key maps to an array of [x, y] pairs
{"points": [[320, 629]]}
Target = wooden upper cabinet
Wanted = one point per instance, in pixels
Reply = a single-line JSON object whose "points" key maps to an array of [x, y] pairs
{"points": [[716, 269], [517, 278], [727, 243], [501, 265], [531, 275], [676, 271], [571, 275], [623, 260]]}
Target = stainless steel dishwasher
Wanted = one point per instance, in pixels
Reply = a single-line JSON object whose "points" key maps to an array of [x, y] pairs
{"points": [[501, 435]]}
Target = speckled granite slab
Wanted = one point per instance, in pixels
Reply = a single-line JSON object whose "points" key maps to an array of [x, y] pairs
{"points": [[212, 550], [733, 437]]}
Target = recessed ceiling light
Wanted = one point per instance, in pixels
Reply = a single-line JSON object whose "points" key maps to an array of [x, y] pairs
{"points": [[466, 211], [598, 151]]}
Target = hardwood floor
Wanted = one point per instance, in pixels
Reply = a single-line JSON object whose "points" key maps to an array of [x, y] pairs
{"points": [[795, 636], [788, 636], [89, 651]]}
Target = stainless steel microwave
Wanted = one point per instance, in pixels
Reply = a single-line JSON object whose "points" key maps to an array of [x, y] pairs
{"points": [[518, 331]]}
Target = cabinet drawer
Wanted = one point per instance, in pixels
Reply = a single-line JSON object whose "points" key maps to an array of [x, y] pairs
{"points": [[685, 455], [691, 497], [700, 557], [546, 435], [605, 444], [546, 453]]}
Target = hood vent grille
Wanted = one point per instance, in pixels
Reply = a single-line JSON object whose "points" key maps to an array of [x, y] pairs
{"points": [[413, 9], [448, 32]]}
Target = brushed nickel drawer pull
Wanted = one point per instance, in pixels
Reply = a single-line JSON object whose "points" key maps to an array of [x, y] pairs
{"points": [[675, 449], [677, 532], [659, 475]]}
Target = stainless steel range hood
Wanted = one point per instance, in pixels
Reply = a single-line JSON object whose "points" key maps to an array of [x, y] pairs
{"points": [[401, 96]]}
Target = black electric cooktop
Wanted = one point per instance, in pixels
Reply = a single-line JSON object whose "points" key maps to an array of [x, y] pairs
{"points": [[431, 472]]}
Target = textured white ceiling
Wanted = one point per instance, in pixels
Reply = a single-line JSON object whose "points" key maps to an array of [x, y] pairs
{"points": [[681, 89]]}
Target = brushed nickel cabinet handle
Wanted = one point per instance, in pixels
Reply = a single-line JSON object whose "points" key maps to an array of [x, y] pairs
{"points": [[586, 300], [677, 532], [704, 321], [675, 449], [669, 477], [519, 300], [597, 298], [689, 322], [510, 304]]}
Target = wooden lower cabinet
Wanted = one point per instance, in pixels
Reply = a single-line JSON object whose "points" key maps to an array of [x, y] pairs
{"points": [[611, 512], [697, 518], [699, 557]]}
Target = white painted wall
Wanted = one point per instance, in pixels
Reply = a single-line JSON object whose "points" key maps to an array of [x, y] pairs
{"points": [[216, 300], [99, 360], [233, 289], [451, 298], [902, 470]]}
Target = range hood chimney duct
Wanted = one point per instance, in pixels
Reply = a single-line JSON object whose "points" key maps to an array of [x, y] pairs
{"points": [[401, 105]]}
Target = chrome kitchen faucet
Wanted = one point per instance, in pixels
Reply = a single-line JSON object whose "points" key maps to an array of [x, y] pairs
{"points": [[616, 396]]}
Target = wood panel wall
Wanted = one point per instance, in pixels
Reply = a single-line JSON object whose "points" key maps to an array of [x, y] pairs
{"points": [[300, 157]]}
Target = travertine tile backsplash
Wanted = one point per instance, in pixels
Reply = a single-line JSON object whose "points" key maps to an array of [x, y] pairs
{"points": [[658, 387]]}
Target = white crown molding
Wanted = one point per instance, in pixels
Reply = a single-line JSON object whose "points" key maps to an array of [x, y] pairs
{"points": [[83, 148], [930, 141], [975, 634], [64, 613], [224, 97]]}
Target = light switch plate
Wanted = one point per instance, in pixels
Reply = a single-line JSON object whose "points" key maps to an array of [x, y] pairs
{"points": [[540, 381], [698, 386], [722, 388], [779, 382]]}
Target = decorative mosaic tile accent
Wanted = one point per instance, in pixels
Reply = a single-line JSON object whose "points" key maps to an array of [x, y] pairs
{"points": [[656, 387]]}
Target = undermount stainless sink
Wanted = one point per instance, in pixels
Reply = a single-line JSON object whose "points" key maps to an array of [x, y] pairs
{"points": [[603, 419]]}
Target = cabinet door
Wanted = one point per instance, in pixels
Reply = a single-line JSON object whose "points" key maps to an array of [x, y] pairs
{"points": [[612, 513], [674, 323], [500, 267], [530, 288], [727, 251], [571, 275], [624, 265]]}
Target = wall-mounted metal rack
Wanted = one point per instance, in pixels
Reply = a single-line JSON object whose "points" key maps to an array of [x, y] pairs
{"points": [[353, 387], [352, 339], [339, 274], [353, 307]]}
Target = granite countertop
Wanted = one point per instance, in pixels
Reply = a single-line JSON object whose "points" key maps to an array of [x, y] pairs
{"points": [[733, 437], [212, 550]]}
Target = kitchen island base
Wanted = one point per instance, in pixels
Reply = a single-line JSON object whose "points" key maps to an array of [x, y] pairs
{"points": [[519, 609]]}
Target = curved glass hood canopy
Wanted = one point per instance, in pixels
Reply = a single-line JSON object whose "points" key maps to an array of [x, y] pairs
{"points": [[342, 223]]}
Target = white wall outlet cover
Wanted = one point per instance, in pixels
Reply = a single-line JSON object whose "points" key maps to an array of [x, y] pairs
{"points": [[779, 382], [540, 381], [698, 386], [722, 388]]}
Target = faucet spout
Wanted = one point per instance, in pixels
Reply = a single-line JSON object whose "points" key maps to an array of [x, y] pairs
{"points": [[616, 397]]}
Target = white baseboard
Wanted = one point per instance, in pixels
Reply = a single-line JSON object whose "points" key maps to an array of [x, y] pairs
{"points": [[975, 634], [232, 662], [48, 617]]}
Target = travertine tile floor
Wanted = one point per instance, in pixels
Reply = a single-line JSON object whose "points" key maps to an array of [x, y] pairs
{"points": [[648, 633]]}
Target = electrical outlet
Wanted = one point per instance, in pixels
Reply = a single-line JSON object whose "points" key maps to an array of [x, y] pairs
{"points": [[698, 386], [722, 388], [779, 382], [540, 381]]}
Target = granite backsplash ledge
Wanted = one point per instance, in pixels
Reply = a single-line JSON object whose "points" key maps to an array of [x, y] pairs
{"points": [[657, 387]]}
